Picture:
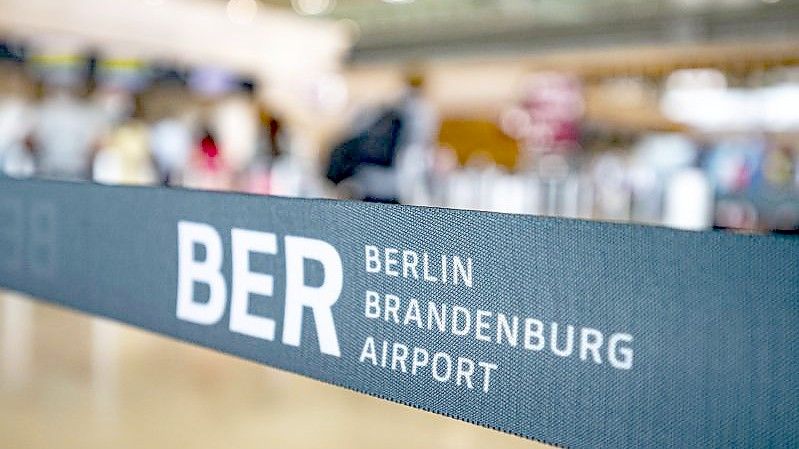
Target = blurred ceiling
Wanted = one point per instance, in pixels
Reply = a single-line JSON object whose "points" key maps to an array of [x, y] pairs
{"points": [[417, 29], [256, 41]]}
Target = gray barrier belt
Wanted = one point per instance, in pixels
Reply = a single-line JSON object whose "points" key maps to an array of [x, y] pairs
{"points": [[574, 333]]}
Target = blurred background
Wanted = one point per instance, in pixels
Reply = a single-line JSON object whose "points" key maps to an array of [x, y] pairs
{"points": [[680, 113]]}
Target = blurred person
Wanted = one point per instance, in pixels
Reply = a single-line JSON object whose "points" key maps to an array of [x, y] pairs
{"points": [[646, 192], [295, 171], [464, 188], [796, 166], [555, 175], [361, 165], [66, 133], [418, 142], [207, 168], [778, 166], [16, 113], [443, 168], [389, 155], [733, 163], [113, 103], [171, 145], [233, 120], [688, 202], [736, 214], [258, 177], [125, 159], [612, 189]]}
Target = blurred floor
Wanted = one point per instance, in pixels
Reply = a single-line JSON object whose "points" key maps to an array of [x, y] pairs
{"points": [[71, 381]]}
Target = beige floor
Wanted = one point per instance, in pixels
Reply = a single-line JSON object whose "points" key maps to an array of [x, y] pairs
{"points": [[138, 390]]}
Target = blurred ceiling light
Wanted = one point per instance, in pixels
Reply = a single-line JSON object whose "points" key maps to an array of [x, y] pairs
{"points": [[398, 1], [312, 7], [241, 12]]}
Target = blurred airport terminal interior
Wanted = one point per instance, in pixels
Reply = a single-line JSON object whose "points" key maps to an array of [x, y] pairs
{"points": [[679, 113]]}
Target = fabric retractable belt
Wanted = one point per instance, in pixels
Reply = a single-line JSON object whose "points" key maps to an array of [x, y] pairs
{"points": [[574, 333]]}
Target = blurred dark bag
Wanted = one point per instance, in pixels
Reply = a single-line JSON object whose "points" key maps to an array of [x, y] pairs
{"points": [[376, 145]]}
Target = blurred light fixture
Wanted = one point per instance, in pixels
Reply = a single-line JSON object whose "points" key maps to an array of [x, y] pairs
{"points": [[398, 1], [312, 7], [701, 99], [696, 78], [241, 12]]}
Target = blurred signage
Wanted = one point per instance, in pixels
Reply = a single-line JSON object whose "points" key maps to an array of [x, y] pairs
{"points": [[548, 116], [574, 333]]}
